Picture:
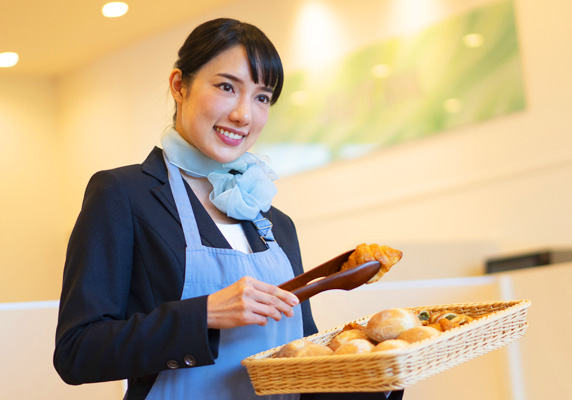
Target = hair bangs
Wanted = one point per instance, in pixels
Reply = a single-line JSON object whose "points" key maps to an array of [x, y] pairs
{"points": [[265, 66]]}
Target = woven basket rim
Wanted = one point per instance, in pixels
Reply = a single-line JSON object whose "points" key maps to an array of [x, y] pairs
{"points": [[512, 306]]}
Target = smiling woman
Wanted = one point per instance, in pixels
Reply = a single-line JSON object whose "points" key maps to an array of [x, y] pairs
{"points": [[153, 289]]}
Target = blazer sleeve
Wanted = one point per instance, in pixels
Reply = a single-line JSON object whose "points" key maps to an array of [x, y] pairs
{"points": [[97, 339]]}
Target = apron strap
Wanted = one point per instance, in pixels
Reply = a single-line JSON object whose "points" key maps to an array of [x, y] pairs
{"points": [[183, 203], [264, 227]]}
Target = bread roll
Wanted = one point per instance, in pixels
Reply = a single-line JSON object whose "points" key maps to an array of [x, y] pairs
{"points": [[418, 333], [424, 316], [290, 349], [346, 336], [445, 324], [363, 253], [435, 317], [388, 324], [303, 348], [314, 350], [355, 346], [390, 344]]}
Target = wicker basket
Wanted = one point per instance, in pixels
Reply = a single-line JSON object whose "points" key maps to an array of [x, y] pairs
{"points": [[499, 324]]}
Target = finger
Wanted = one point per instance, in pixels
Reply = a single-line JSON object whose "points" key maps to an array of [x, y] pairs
{"points": [[270, 304], [269, 311], [287, 297], [283, 295], [267, 300]]}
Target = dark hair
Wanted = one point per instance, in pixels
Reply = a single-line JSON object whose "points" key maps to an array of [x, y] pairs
{"points": [[213, 37]]}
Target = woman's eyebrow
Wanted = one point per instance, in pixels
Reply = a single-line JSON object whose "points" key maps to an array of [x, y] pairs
{"points": [[240, 81]]}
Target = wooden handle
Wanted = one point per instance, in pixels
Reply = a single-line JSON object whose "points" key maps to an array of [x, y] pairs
{"points": [[328, 268], [345, 280]]}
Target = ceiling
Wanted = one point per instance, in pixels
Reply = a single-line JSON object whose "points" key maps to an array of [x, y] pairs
{"points": [[53, 37]]}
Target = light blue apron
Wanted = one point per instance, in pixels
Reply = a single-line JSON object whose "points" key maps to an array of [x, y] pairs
{"points": [[208, 270]]}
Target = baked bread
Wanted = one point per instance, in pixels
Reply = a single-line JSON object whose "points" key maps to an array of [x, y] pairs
{"points": [[390, 344], [292, 348], [447, 324], [314, 350], [355, 346], [436, 316], [303, 348], [424, 316], [388, 324], [346, 336], [418, 333], [446, 320], [363, 253]]}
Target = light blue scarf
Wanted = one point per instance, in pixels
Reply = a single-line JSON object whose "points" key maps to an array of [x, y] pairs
{"points": [[241, 196]]}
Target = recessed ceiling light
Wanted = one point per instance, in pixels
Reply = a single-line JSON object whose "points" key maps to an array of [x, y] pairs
{"points": [[115, 9], [8, 59]]}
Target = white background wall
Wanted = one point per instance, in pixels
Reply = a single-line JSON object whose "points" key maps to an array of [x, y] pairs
{"points": [[32, 231], [494, 187], [448, 201]]}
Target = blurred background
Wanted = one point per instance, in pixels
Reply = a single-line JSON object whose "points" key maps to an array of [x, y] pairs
{"points": [[439, 127]]}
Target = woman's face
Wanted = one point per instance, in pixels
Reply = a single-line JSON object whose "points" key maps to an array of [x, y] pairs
{"points": [[221, 111]]}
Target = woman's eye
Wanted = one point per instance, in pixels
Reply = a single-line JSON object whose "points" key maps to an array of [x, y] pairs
{"points": [[227, 87], [263, 99]]}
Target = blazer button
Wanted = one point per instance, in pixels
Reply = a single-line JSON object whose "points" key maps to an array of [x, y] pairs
{"points": [[172, 364], [190, 360]]}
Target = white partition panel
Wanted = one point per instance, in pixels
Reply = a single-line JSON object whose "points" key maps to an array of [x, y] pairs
{"points": [[27, 340]]}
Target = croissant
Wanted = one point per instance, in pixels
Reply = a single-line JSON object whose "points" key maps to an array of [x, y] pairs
{"points": [[363, 253]]}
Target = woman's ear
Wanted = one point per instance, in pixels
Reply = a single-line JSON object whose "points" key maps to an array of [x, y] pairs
{"points": [[176, 85]]}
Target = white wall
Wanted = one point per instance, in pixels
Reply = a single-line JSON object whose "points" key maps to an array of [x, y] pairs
{"points": [[496, 186], [27, 370], [505, 181], [32, 234]]}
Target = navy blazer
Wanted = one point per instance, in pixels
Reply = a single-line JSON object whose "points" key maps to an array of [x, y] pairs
{"points": [[120, 313]]}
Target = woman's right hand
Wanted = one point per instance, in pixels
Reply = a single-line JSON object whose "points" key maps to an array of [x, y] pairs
{"points": [[248, 301]]}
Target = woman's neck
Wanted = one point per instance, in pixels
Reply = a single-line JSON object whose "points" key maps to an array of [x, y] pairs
{"points": [[202, 189]]}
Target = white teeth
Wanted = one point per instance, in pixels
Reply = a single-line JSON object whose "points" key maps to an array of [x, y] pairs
{"points": [[229, 134]]}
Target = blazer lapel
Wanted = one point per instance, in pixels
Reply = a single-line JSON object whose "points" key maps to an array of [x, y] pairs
{"points": [[154, 165]]}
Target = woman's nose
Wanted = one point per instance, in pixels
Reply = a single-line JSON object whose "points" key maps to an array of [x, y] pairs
{"points": [[242, 112]]}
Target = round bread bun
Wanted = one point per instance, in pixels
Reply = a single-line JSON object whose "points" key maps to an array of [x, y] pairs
{"points": [[355, 346], [314, 350], [303, 348], [418, 333], [290, 349], [391, 344], [346, 336], [388, 324]]}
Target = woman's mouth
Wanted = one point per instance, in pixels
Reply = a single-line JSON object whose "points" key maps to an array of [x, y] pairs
{"points": [[228, 136]]}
